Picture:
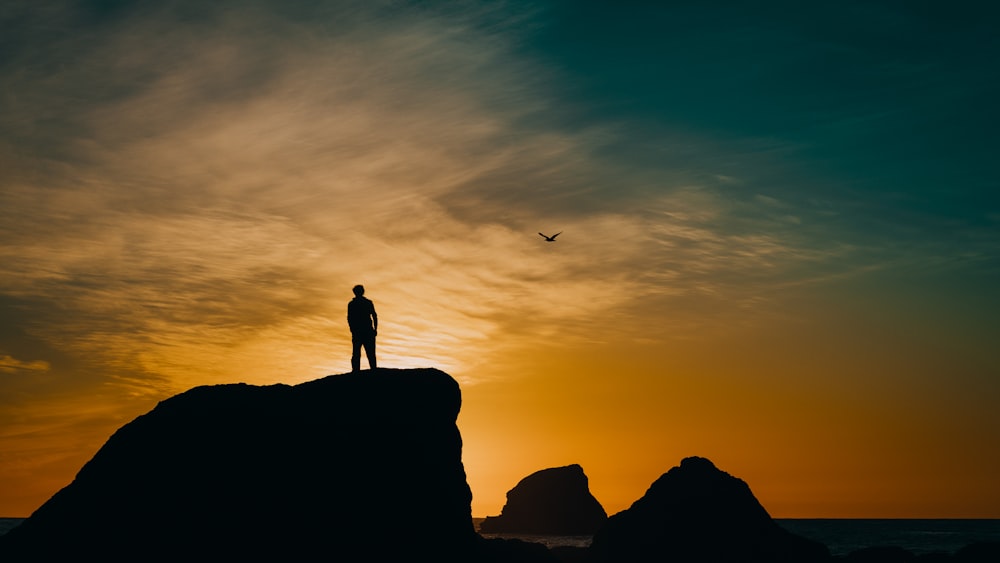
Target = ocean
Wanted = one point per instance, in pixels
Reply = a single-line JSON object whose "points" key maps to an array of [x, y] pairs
{"points": [[841, 536], [918, 536]]}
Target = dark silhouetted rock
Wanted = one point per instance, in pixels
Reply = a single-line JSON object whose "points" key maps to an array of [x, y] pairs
{"points": [[697, 513], [278, 473], [555, 501]]}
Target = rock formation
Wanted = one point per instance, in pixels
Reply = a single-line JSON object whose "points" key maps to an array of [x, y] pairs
{"points": [[316, 471], [697, 513], [555, 501]]}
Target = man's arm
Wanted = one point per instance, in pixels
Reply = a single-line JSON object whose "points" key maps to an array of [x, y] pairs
{"points": [[374, 319]]}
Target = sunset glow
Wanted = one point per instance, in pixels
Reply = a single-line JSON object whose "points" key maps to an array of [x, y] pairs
{"points": [[779, 248]]}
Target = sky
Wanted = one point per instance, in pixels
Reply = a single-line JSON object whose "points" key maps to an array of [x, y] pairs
{"points": [[779, 248]]}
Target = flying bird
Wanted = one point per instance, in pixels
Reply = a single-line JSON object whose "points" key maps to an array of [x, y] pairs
{"points": [[551, 238]]}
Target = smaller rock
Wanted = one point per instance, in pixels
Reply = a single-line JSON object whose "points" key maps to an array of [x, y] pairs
{"points": [[696, 513], [555, 501]]}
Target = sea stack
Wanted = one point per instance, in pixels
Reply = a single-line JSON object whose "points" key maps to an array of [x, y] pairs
{"points": [[697, 513], [555, 501]]}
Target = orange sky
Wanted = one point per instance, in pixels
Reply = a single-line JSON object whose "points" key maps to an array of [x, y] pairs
{"points": [[787, 267]]}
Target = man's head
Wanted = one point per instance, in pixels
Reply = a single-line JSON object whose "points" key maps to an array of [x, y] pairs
{"points": [[359, 290]]}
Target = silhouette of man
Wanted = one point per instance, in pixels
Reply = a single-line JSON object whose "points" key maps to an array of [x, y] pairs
{"points": [[363, 320]]}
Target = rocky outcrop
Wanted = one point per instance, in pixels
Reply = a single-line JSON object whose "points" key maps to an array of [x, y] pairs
{"points": [[277, 473], [555, 501], [697, 513]]}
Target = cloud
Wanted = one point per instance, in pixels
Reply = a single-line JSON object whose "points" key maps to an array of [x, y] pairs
{"points": [[190, 200], [10, 364]]}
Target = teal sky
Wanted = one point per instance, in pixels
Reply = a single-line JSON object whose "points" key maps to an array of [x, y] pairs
{"points": [[792, 202]]}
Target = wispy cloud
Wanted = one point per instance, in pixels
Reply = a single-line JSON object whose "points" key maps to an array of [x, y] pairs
{"points": [[215, 204], [202, 193], [10, 364]]}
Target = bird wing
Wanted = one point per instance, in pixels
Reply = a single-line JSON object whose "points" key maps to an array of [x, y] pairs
{"points": [[557, 234], [543, 235]]}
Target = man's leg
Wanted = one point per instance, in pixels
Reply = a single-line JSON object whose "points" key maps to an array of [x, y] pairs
{"points": [[356, 353], [370, 351]]}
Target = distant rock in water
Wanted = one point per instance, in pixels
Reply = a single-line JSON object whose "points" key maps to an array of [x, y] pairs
{"points": [[697, 513], [278, 473], [554, 501]]}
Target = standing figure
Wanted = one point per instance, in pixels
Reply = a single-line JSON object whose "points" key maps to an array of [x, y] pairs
{"points": [[363, 320]]}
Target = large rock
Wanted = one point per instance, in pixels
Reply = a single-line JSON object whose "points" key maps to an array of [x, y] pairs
{"points": [[555, 501], [697, 513], [324, 470]]}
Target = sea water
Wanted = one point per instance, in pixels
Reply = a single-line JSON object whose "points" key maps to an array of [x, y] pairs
{"points": [[918, 536], [842, 536]]}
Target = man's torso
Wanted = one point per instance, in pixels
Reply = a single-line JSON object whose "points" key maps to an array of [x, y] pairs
{"points": [[359, 314]]}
